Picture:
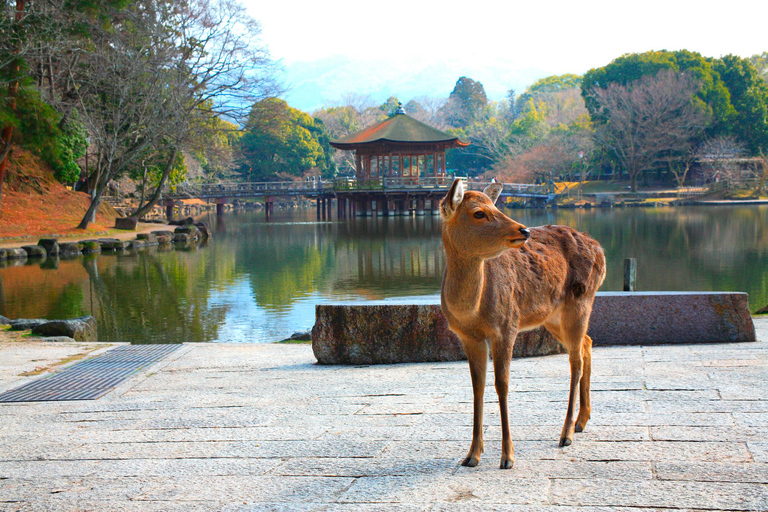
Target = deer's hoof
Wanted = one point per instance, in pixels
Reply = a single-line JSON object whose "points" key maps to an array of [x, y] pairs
{"points": [[565, 441], [579, 428], [470, 462], [506, 463]]}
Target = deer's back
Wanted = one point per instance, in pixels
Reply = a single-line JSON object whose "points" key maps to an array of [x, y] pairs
{"points": [[557, 265]]}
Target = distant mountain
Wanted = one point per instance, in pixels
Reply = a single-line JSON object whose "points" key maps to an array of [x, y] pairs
{"points": [[325, 82]]}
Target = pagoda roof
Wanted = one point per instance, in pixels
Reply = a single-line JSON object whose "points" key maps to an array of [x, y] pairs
{"points": [[398, 128]]}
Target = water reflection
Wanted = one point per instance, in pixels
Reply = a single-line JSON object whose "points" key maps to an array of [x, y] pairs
{"points": [[259, 282]]}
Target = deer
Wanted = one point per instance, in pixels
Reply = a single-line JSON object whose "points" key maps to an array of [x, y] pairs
{"points": [[502, 278]]}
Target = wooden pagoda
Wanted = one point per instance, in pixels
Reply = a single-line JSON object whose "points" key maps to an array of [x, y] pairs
{"points": [[399, 149], [400, 162]]}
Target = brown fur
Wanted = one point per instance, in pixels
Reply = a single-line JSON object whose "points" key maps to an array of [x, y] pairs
{"points": [[497, 284]]}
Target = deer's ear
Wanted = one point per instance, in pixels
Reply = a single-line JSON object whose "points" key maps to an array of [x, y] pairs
{"points": [[493, 191], [452, 200]]}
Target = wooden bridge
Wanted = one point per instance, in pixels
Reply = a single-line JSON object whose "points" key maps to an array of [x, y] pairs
{"points": [[354, 197]]}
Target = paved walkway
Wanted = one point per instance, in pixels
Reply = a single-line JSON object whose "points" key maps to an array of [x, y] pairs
{"points": [[261, 427]]}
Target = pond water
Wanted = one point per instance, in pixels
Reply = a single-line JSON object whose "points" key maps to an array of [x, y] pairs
{"points": [[258, 282]]}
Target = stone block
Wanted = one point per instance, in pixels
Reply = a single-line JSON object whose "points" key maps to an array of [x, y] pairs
{"points": [[3, 255], [138, 244], [163, 237], [149, 238], [91, 246], [51, 246], [394, 332], [182, 237], [25, 324], [113, 244], [190, 230], [649, 318], [127, 223], [80, 329], [35, 251], [16, 254], [204, 230], [399, 333], [70, 249]]}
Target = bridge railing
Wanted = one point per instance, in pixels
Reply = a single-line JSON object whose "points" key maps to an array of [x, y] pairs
{"points": [[265, 187]]}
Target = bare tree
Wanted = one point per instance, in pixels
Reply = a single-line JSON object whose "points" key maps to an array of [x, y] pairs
{"points": [[718, 156], [648, 119], [152, 83], [219, 68]]}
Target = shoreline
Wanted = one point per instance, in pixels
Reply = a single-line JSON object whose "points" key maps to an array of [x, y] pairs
{"points": [[120, 234]]}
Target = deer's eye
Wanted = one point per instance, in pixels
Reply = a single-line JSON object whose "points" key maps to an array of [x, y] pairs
{"points": [[479, 214]]}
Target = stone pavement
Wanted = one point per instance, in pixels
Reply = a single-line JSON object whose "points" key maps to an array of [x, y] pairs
{"points": [[261, 427]]}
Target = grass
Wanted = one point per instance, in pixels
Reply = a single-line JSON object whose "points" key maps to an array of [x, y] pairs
{"points": [[70, 359]]}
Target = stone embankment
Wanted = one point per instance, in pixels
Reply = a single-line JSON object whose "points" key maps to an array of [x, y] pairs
{"points": [[187, 231]]}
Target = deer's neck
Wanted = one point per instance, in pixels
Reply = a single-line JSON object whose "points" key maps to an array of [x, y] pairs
{"points": [[463, 285]]}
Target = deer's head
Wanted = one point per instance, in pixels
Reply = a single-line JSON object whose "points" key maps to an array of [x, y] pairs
{"points": [[474, 227]]}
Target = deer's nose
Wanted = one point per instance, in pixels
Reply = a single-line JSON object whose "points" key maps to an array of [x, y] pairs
{"points": [[526, 233]]}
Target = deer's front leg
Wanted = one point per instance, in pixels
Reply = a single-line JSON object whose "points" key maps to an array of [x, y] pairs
{"points": [[477, 354], [501, 349]]}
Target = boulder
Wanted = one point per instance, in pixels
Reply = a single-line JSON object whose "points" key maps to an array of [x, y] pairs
{"points": [[3, 255], [113, 244], [149, 238], [182, 237], [163, 237], [4, 320], [70, 249], [301, 336], [35, 251], [138, 244], [81, 329], [15, 254], [181, 222], [190, 230], [91, 246], [51, 246], [24, 324], [204, 231], [127, 223]]}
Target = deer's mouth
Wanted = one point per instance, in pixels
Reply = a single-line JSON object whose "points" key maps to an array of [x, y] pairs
{"points": [[517, 242]]}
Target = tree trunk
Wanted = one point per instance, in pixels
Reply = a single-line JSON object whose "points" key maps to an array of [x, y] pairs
{"points": [[5, 140], [98, 192], [13, 87], [159, 190]]}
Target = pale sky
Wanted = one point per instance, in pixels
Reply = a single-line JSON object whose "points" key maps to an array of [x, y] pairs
{"points": [[493, 38]]}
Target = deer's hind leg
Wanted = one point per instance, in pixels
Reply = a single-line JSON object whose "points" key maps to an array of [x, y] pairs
{"points": [[585, 403], [570, 329]]}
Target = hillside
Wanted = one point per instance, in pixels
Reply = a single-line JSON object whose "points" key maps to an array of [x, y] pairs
{"points": [[35, 204]]}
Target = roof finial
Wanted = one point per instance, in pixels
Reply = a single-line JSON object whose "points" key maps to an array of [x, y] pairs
{"points": [[400, 109]]}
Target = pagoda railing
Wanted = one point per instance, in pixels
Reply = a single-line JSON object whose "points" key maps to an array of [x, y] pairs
{"points": [[407, 183]]}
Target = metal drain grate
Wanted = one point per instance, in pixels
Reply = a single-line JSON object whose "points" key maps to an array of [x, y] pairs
{"points": [[93, 378]]}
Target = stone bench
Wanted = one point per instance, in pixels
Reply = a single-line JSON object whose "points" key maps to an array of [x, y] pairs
{"points": [[416, 331]]}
